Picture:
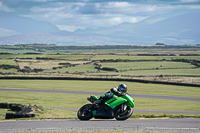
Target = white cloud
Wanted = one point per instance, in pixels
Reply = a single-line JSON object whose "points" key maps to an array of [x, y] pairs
{"points": [[69, 27], [71, 16], [4, 8], [109, 14], [189, 1], [46, 9], [118, 20], [154, 20], [59, 6], [39, 0], [132, 8], [119, 4], [6, 32], [194, 7]]}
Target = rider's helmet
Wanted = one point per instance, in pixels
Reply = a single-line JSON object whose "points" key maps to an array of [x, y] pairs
{"points": [[122, 88]]}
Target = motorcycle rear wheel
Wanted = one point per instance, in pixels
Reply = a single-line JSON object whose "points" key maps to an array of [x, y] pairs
{"points": [[120, 115], [84, 113]]}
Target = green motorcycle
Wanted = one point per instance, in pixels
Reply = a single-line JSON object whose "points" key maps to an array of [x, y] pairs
{"points": [[120, 108]]}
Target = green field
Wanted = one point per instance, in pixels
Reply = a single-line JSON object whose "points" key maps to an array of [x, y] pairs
{"points": [[147, 65], [96, 57], [147, 73], [52, 48], [102, 86], [59, 100], [7, 62], [55, 56], [181, 62], [83, 64], [136, 69], [133, 57]]}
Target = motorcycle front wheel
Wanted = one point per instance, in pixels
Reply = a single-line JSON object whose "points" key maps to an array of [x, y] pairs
{"points": [[85, 113], [121, 114]]}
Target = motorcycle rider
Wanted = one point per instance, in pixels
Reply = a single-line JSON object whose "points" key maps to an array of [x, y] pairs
{"points": [[119, 91]]}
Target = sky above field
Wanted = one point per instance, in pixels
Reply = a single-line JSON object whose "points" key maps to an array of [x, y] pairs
{"points": [[74, 14]]}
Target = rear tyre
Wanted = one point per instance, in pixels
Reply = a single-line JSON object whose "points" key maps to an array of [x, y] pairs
{"points": [[123, 114], [85, 112]]}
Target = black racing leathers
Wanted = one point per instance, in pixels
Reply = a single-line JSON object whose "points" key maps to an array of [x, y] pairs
{"points": [[113, 91]]}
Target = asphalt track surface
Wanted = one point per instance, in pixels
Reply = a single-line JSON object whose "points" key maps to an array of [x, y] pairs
{"points": [[151, 125], [133, 95]]}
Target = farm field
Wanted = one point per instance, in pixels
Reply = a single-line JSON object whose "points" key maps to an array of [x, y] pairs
{"points": [[50, 101], [151, 73], [44, 56], [180, 64], [46, 64], [167, 67], [142, 57]]}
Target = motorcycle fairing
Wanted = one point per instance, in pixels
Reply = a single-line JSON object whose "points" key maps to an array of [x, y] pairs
{"points": [[115, 101], [103, 112], [130, 100]]}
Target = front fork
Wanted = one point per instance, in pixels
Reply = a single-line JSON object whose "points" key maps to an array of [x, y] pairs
{"points": [[123, 109]]}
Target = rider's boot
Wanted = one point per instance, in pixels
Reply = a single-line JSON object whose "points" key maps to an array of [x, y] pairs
{"points": [[96, 104]]}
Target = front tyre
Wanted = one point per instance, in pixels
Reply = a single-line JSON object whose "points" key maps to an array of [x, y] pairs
{"points": [[85, 112], [121, 114]]}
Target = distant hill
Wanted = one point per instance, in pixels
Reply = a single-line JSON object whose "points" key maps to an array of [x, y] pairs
{"points": [[24, 25], [172, 30], [181, 29]]}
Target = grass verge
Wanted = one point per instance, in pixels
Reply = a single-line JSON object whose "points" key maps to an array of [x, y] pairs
{"points": [[59, 100], [103, 86]]}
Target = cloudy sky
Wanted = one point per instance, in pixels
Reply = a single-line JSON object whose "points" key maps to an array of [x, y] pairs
{"points": [[73, 14]]}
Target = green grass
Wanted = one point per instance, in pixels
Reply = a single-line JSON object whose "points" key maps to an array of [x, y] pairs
{"points": [[136, 69], [14, 56], [50, 100], [187, 57], [163, 104], [146, 65], [103, 86], [60, 100], [172, 72], [12, 70], [115, 57], [97, 57], [7, 62], [69, 57], [82, 68], [34, 56], [125, 68]]}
